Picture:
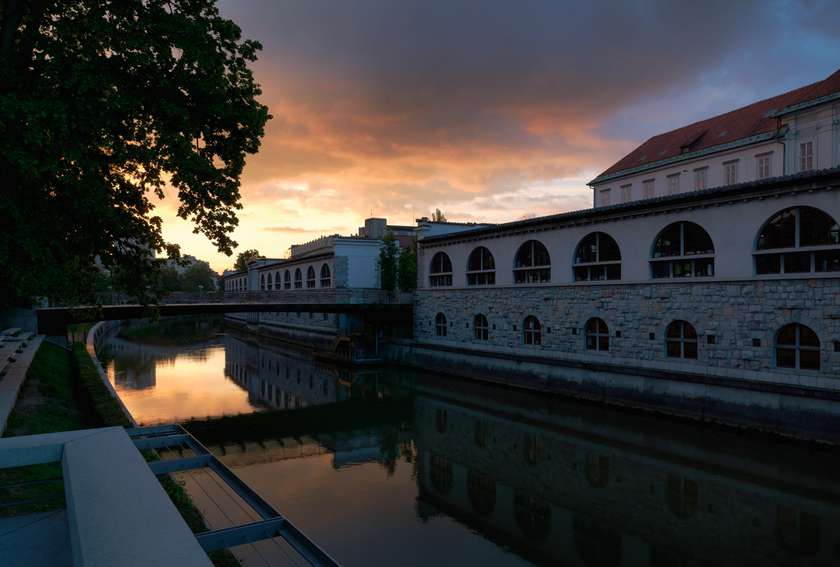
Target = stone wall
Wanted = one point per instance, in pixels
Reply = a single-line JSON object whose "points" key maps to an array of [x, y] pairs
{"points": [[736, 321]]}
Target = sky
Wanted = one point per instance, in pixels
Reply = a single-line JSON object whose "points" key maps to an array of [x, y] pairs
{"points": [[490, 110]]}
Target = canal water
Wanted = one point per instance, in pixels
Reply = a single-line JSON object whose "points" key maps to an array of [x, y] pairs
{"points": [[390, 466]]}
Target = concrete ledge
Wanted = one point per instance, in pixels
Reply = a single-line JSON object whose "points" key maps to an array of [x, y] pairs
{"points": [[13, 379], [94, 336], [118, 513]]}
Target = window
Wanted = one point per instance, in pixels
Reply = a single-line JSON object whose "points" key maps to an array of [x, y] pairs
{"points": [[532, 331], [481, 328], [440, 273], [441, 473], [310, 277], [326, 280], [673, 184], [604, 197], [763, 166], [298, 279], [597, 258], [287, 280], [597, 335], [532, 263], [681, 340], [440, 325], [269, 284], [627, 193], [798, 240], [730, 172], [481, 489], [683, 250], [262, 282], [648, 189], [700, 178], [797, 346], [806, 156], [481, 268]]}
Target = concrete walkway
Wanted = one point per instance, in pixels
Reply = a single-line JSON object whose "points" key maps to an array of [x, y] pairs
{"points": [[13, 371], [36, 539]]}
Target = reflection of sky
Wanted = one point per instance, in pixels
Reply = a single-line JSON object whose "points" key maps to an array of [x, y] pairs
{"points": [[187, 385]]}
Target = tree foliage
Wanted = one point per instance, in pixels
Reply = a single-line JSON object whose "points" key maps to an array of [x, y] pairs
{"points": [[388, 262], [407, 270], [246, 257], [103, 106], [438, 216]]}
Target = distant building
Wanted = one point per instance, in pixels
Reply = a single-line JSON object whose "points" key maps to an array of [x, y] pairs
{"points": [[795, 132]]}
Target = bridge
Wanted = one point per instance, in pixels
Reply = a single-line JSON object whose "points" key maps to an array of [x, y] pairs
{"points": [[53, 321]]}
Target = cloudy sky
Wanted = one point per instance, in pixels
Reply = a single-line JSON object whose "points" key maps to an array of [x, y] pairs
{"points": [[490, 110]]}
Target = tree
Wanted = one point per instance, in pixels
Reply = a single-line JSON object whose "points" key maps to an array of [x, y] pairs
{"points": [[246, 257], [102, 106], [198, 277], [438, 216], [407, 270], [388, 262]]}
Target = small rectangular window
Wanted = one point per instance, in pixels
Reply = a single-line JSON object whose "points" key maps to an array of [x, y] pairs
{"points": [[604, 197], [806, 156], [700, 178], [756, 342], [763, 166], [674, 184], [627, 193], [730, 172], [648, 190], [711, 339]]}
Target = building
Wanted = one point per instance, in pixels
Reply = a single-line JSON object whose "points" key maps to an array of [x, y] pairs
{"points": [[794, 132], [720, 303], [328, 270]]}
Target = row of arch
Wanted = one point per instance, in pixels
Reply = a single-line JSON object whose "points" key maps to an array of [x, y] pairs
{"points": [[795, 345], [795, 240], [270, 281]]}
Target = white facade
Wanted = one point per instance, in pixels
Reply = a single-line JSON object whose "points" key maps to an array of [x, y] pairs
{"points": [[804, 137]]}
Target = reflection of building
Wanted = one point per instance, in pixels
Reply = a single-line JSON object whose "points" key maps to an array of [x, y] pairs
{"points": [[581, 487]]}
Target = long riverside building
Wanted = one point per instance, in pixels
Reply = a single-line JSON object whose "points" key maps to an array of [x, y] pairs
{"points": [[721, 303]]}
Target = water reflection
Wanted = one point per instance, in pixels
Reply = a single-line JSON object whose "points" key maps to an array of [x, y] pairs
{"points": [[476, 474]]}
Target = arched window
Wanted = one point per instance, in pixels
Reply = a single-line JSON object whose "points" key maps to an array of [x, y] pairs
{"points": [[440, 325], [310, 277], [277, 284], [326, 280], [270, 284], [597, 258], [481, 489], [797, 346], [532, 263], [298, 279], [287, 280], [262, 282], [532, 331], [798, 240], [597, 335], [597, 470], [683, 250], [481, 268], [440, 272], [681, 340], [481, 328]]}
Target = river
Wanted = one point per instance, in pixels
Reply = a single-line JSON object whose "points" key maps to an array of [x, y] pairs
{"points": [[390, 466]]}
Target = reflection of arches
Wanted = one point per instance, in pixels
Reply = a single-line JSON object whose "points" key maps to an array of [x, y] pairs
{"points": [[480, 433], [482, 492], [681, 494], [534, 450], [597, 470], [532, 516], [597, 545], [796, 531], [441, 474]]}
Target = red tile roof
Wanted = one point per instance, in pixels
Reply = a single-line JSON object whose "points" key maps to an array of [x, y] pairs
{"points": [[756, 118]]}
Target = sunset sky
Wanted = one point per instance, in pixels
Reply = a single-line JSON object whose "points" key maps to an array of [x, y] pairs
{"points": [[489, 110]]}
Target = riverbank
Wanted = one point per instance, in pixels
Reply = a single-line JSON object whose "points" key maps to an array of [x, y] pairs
{"points": [[62, 392]]}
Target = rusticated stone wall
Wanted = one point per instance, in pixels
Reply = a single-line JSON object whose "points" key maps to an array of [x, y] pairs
{"points": [[736, 321]]}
